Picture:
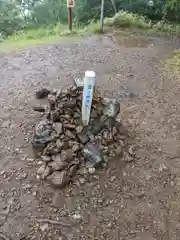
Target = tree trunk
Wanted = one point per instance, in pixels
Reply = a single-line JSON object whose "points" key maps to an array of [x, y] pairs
{"points": [[114, 5]]}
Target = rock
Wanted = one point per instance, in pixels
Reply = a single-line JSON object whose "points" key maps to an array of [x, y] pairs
{"points": [[121, 129], [39, 108], [79, 129], [119, 151], [52, 101], [46, 158], [44, 226], [67, 143], [131, 151], [58, 179], [42, 93], [92, 154], [55, 116], [46, 172], [162, 167], [51, 149], [42, 134], [76, 147], [79, 82], [69, 134], [111, 107], [58, 127], [97, 126], [60, 144], [60, 161], [81, 180], [77, 216], [67, 155], [83, 137], [69, 126], [41, 170], [54, 166], [70, 104]]}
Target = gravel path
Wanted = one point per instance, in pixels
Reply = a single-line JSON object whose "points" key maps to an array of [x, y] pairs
{"points": [[130, 200]]}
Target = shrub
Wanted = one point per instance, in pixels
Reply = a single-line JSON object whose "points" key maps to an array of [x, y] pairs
{"points": [[125, 20]]}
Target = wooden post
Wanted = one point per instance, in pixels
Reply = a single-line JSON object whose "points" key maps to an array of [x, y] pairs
{"points": [[70, 18], [102, 16]]}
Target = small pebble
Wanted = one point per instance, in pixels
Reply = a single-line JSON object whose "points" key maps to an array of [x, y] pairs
{"points": [[91, 170]]}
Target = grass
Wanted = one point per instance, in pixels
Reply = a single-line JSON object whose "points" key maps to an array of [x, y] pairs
{"points": [[122, 19], [173, 62], [40, 36]]}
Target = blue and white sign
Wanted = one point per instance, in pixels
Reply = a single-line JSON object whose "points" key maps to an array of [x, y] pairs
{"points": [[89, 83]]}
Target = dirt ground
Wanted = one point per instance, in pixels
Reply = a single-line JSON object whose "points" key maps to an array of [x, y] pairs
{"points": [[137, 199]]}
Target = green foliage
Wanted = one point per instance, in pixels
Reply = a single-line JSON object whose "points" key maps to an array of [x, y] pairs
{"points": [[31, 14], [10, 20], [125, 20]]}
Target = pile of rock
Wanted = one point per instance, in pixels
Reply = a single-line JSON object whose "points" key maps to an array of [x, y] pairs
{"points": [[65, 145]]}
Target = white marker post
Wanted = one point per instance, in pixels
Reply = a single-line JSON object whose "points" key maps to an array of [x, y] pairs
{"points": [[89, 83]]}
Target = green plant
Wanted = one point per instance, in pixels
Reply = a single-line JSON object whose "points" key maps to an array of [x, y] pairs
{"points": [[125, 20]]}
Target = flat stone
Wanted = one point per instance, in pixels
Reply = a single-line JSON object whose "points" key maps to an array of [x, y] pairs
{"points": [[70, 134], [92, 154], [83, 137], [39, 108], [58, 179], [42, 93], [58, 127], [59, 144], [46, 158], [111, 107], [119, 151], [69, 126], [79, 129], [60, 161], [54, 166], [41, 169]]}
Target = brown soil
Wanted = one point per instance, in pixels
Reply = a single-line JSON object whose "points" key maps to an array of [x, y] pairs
{"points": [[137, 199]]}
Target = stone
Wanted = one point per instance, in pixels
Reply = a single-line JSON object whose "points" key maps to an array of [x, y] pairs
{"points": [[121, 129], [79, 129], [54, 166], [58, 179], [58, 127], [93, 154], [83, 137], [42, 93], [60, 144], [67, 155], [65, 143], [41, 170], [46, 158], [60, 161], [131, 151], [119, 151], [111, 107], [69, 134], [77, 216], [76, 147], [39, 108], [69, 126], [52, 101], [51, 149], [55, 116], [46, 172], [42, 134], [71, 104]]}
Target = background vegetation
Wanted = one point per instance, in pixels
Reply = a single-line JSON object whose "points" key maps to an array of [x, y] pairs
{"points": [[23, 15]]}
